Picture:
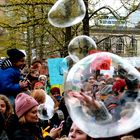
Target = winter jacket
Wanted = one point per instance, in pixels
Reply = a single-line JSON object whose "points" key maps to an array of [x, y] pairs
{"points": [[3, 136], [29, 132], [11, 125], [5, 63], [9, 81], [17, 131]]}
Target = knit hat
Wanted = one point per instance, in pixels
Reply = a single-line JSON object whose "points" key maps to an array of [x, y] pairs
{"points": [[54, 90], [38, 85], [24, 103], [118, 85], [15, 54], [42, 77]]}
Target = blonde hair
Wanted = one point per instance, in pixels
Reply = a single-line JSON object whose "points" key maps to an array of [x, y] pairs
{"points": [[9, 108], [64, 137], [22, 119], [39, 95]]}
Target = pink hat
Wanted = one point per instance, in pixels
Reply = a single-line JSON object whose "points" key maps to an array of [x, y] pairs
{"points": [[24, 103]]}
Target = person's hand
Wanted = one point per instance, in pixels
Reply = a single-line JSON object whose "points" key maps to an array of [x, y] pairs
{"points": [[85, 99], [92, 107], [55, 132], [23, 84]]}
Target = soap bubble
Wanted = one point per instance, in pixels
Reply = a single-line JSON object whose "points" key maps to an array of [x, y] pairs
{"points": [[81, 46], [46, 109], [102, 95], [66, 13], [66, 64]]}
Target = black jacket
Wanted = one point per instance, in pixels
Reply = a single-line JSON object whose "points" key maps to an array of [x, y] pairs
{"points": [[27, 132]]}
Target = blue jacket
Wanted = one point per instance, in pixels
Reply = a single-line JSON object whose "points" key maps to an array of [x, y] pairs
{"points": [[9, 81]]}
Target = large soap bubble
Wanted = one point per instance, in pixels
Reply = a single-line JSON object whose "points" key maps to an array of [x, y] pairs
{"points": [[81, 46], [102, 95], [66, 13], [46, 109]]}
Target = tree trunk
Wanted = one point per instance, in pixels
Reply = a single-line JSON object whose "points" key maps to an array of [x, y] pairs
{"points": [[86, 20], [67, 40]]}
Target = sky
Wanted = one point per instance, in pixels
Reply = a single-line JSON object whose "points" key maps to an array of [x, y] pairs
{"points": [[115, 4]]}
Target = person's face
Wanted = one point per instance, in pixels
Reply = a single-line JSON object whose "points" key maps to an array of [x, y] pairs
{"points": [[43, 80], [20, 63], [91, 80], [76, 134], [35, 74], [2, 106], [31, 116], [102, 85], [37, 66]]}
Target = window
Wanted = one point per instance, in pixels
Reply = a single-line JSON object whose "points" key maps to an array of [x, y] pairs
{"points": [[120, 45]]}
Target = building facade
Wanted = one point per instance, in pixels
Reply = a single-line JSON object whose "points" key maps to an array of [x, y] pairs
{"points": [[118, 36]]}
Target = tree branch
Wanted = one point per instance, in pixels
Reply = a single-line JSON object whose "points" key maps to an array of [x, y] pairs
{"points": [[116, 15], [26, 4]]}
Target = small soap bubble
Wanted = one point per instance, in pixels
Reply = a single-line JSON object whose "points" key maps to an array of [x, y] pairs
{"points": [[46, 109], [80, 47], [66, 13], [67, 64]]}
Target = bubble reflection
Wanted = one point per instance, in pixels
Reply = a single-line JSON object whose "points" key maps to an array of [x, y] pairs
{"points": [[46, 109], [102, 93], [81, 46], [66, 13]]}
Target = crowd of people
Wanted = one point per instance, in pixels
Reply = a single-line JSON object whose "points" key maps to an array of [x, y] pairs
{"points": [[23, 90]]}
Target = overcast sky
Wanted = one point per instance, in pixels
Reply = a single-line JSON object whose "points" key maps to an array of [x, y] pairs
{"points": [[115, 4]]}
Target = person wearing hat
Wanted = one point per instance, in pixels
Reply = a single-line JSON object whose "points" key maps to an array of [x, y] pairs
{"points": [[55, 91], [38, 85], [10, 75], [26, 108]]}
